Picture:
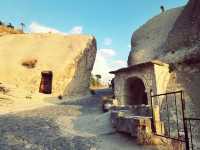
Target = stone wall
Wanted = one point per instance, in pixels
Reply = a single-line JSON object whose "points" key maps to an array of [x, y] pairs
{"points": [[187, 78], [154, 77], [162, 78], [145, 74]]}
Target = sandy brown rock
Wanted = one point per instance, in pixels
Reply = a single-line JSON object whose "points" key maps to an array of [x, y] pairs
{"points": [[70, 58]]}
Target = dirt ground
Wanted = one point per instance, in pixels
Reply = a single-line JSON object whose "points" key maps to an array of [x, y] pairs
{"points": [[68, 125]]}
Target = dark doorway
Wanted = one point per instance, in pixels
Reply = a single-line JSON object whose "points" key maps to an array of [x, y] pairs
{"points": [[135, 92], [46, 82]]}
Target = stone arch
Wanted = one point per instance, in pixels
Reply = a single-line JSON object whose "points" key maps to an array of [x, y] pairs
{"points": [[135, 91]]}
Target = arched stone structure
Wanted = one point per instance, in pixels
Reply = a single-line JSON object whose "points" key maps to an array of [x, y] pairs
{"points": [[154, 76], [135, 91]]}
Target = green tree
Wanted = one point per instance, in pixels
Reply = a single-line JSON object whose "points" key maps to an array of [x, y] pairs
{"points": [[98, 76], [98, 79], [92, 80], [10, 26], [95, 80], [162, 9]]}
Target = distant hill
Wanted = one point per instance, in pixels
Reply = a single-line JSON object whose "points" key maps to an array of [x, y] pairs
{"points": [[7, 30]]}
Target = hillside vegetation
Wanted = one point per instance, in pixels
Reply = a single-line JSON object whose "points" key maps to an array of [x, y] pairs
{"points": [[7, 30]]}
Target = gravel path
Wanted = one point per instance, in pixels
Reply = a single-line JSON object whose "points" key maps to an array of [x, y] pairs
{"points": [[70, 125]]}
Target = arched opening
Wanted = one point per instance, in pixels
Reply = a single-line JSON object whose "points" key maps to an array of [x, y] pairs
{"points": [[46, 82], [135, 92]]}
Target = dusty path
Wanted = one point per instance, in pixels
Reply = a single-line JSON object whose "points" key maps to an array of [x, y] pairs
{"points": [[76, 125]]}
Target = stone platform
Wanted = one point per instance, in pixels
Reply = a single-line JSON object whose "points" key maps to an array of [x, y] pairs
{"points": [[134, 120]]}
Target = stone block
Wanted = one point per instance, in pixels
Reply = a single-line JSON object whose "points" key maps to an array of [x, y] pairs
{"points": [[141, 110], [133, 124], [115, 114]]}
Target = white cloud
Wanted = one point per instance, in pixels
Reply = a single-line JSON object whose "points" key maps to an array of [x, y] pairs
{"points": [[105, 63], [76, 30], [107, 41], [129, 46], [107, 53], [35, 27], [38, 28], [101, 67]]}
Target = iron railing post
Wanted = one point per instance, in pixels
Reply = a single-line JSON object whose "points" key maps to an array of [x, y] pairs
{"points": [[153, 123], [187, 142], [177, 121]]}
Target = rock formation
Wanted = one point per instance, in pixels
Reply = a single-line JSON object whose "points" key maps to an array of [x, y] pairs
{"points": [[24, 56], [185, 32], [147, 40], [173, 37]]}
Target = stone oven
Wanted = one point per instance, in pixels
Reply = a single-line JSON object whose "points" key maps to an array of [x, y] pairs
{"points": [[134, 83]]}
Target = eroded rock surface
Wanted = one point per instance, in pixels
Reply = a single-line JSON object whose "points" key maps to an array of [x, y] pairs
{"points": [[70, 58], [173, 37], [147, 40]]}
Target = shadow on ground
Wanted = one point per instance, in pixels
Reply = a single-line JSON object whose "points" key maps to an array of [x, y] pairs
{"points": [[92, 103], [18, 133]]}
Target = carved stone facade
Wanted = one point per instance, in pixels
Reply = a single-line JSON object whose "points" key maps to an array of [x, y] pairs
{"points": [[154, 75]]}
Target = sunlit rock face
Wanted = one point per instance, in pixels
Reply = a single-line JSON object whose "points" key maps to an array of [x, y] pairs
{"points": [[186, 30], [174, 38], [147, 40], [24, 56]]}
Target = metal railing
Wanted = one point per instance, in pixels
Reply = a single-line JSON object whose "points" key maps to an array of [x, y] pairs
{"points": [[194, 132], [174, 122]]}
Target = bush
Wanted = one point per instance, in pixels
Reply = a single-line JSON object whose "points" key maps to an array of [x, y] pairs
{"points": [[95, 80], [29, 63], [10, 26], [60, 97], [4, 90]]}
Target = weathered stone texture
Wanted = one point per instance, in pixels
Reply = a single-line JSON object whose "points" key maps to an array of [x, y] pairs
{"points": [[186, 30], [147, 40], [154, 77], [70, 58], [173, 37]]}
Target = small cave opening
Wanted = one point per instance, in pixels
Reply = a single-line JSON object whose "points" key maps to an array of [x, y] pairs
{"points": [[46, 82], [135, 91]]}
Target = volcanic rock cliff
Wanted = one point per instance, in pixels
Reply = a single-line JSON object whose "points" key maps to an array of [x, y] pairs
{"points": [[24, 56], [174, 38]]}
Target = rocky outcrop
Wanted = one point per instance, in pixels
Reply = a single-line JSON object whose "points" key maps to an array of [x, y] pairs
{"points": [[173, 37], [186, 30], [24, 56], [147, 40]]}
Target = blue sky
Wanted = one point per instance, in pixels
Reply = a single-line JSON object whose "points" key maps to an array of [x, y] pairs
{"points": [[112, 22]]}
